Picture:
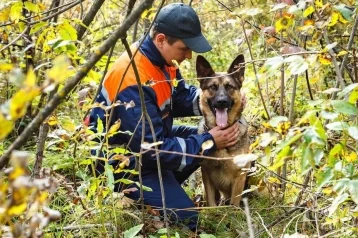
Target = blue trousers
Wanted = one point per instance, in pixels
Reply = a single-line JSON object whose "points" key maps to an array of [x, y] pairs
{"points": [[175, 196]]}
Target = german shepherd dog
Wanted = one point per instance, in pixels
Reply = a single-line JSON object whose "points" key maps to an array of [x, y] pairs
{"points": [[221, 104]]}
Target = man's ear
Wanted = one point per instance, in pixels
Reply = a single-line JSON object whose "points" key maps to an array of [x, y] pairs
{"points": [[237, 69], [159, 39], [203, 68]]}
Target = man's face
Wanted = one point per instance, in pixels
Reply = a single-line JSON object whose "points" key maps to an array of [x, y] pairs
{"points": [[177, 51]]}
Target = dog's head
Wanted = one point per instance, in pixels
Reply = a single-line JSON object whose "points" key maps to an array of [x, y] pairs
{"points": [[221, 91]]}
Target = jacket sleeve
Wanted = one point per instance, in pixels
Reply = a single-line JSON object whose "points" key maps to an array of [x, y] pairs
{"points": [[179, 150], [185, 99]]}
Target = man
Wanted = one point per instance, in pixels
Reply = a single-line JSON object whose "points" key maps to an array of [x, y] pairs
{"points": [[175, 34]]}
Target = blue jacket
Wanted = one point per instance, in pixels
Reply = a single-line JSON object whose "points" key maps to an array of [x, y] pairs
{"points": [[166, 96]]}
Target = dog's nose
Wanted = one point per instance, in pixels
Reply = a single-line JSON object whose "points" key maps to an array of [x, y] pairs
{"points": [[222, 103]]}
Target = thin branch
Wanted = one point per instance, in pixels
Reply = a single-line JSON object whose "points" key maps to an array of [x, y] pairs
{"points": [[282, 217], [16, 39], [248, 217], [58, 98], [81, 29], [251, 55]]}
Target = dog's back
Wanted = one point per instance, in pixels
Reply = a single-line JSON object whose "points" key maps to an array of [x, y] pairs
{"points": [[220, 103]]}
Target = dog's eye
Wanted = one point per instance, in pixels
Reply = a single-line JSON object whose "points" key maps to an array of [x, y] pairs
{"points": [[229, 86], [213, 87]]}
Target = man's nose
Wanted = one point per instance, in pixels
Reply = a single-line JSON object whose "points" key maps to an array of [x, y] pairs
{"points": [[188, 54]]}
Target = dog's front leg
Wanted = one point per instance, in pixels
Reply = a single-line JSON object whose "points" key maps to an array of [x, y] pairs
{"points": [[238, 188], [209, 188]]}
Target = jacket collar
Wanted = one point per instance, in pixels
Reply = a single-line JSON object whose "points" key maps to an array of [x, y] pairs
{"points": [[152, 53]]}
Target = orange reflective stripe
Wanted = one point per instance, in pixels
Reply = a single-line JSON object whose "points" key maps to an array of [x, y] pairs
{"points": [[147, 72]]}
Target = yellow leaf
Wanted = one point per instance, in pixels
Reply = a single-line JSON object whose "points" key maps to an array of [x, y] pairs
{"points": [[175, 82], [4, 15], [353, 98], [17, 209], [352, 157], [341, 18], [327, 190], [6, 126], [60, 70], [42, 197], [341, 53], [334, 19], [52, 121], [308, 11], [114, 128], [318, 3], [16, 11], [18, 104], [314, 80], [274, 180], [30, 80], [324, 60], [6, 67], [283, 23]]}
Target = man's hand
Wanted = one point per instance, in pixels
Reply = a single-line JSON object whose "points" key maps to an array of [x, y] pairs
{"points": [[225, 137]]}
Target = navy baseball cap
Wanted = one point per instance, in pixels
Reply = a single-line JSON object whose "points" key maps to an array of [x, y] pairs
{"points": [[180, 21]]}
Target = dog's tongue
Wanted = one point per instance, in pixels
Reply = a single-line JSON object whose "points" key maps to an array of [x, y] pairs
{"points": [[221, 117]]}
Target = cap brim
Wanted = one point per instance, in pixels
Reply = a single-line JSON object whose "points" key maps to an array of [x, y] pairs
{"points": [[198, 44]]}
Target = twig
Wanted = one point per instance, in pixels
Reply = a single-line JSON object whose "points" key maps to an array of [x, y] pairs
{"points": [[349, 47], [307, 179], [251, 55], [78, 227], [263, 224], [16, 39], [81, 29], [81, 73], [147, 117], [282, 217], [248, 217]]}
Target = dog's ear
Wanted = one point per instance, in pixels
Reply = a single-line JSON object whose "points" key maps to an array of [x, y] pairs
{"points": [[237, 69], [203, 68]]}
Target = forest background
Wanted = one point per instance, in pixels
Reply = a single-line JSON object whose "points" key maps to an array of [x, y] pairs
{"points": [[301, 83]]}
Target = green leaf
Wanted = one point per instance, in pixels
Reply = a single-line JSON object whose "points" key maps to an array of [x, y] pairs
{"points": [[207, 236], [345, 11], [276, 120], [99, 125], [120, 151], [337, 126], [306, 159], [35, 28], [162, 231], [145, 188], [297, 64], [32, 7], [329, 115], [273, 64], [324, 176], [311, 136], [317, 156], [353, 132], [353, 190], [132, 171], [86, 162], [344, 107], [131, 233], [289, 141], [125, 181], [347, 90], [336, 202], [16, 11], [110, 178], [341, 185]]}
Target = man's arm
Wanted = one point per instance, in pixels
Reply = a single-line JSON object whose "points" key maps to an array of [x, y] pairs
{"points": [[185, 99]]}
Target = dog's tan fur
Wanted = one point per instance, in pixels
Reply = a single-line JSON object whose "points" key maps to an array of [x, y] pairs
{"points": [[223, 176]]}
